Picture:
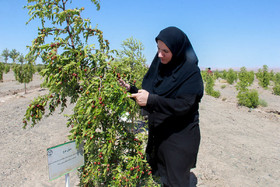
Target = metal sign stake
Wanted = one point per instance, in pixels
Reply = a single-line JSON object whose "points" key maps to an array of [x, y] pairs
{"points": [[67, 182]]}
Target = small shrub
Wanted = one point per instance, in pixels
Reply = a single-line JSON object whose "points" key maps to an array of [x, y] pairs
{"points": [[203, 75], [245, 79], [251, 77], [263, 76], [7, 68], [2, 67], [223, 86], [263, 103], [215, 94], [248, 98], [217, 74], [209, 84], [276, 89], [224, 74], [271, 75], [277, 78], [231, 76]]}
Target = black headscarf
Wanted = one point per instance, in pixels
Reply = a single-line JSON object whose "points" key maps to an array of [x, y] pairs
{"points": [[164, 79]]}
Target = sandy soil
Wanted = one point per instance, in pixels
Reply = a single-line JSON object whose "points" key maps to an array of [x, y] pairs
{"points": [[239, 146]]}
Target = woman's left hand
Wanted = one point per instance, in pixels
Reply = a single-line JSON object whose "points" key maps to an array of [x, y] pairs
{"points": [[141, 97]]}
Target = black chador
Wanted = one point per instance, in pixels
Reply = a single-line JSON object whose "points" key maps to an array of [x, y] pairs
{"points": [[175, 90]]}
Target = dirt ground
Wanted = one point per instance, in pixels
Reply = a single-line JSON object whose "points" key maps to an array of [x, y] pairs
{"points": [[239, 146]]}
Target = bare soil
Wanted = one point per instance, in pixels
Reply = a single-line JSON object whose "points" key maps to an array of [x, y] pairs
{"points": [[239, 146]]}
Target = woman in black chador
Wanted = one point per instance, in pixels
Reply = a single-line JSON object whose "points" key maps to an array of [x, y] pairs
{"points": [[172, 90]]}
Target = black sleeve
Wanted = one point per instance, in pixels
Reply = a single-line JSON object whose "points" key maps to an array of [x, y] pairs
{"points": [[169, 106], [133, 89]]}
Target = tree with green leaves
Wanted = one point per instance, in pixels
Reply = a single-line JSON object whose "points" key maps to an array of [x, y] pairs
{"points": [[21, 58], [81, 73], [245, 79], [263, 76], [231, 76], [245, 96], [6, 54], [209, 81], [2, 68], [14, 55], [131, 59], [24, 72], [7, 68], [276, 87]]}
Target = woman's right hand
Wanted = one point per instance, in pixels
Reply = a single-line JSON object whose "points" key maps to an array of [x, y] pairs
{"points": [[124, 84]]}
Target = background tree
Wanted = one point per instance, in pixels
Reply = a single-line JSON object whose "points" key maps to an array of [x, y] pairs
{"points": [[217, 74], [21, 58], [24, 72], [263, 76], [245, 79], [245, 96], [7, 68], [276, 87], [5, 54], [82, 74], [2, 68], [231, 76], [224, 75], [131, 59], [209, 80], [14, 55], [39, 67]]}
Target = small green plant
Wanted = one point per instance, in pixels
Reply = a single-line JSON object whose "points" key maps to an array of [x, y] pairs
{"points": [[2, 68], [223, 86], [271, 75], [24, 73], [215, 94], [224, 75], [7, 68], [263, 103], [277, 78], [217, 74], [251, 77], [263, 76], [209, 84], [276, 89], [231, 76], [248, 98], [203, 75], [245, 79]]}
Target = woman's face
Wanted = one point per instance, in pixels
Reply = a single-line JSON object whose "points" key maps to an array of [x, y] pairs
{"points": [[164, 53]]}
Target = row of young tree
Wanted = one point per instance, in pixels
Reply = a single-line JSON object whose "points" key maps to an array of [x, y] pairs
{"points": [[243, 79], [13, 54], [23, 70]]}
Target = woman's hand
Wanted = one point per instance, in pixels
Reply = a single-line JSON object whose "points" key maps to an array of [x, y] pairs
{"points": [[141, 97], [124, 84]]}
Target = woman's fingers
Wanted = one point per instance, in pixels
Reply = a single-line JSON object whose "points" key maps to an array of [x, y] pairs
{"points": [[124, 84], [141, 97]]}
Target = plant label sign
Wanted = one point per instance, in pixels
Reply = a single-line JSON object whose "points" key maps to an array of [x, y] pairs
{"points": [[64, 158]]}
